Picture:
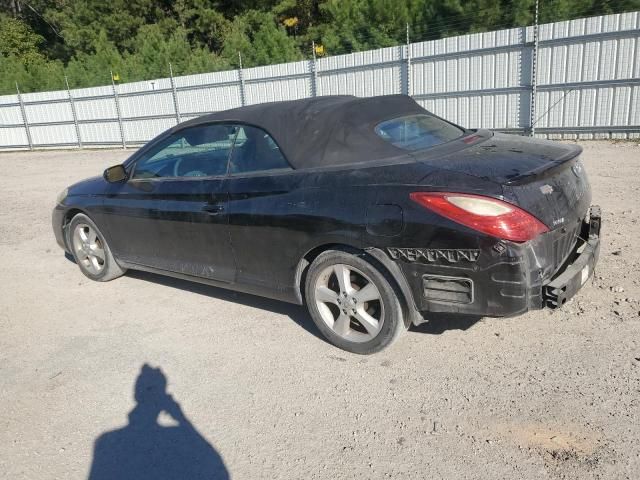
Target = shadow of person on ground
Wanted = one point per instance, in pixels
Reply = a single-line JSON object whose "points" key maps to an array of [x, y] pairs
{"points": [[144, 449]]}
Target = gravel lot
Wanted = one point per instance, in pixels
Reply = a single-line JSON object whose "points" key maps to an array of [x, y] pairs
{"points": [[261, 396]]}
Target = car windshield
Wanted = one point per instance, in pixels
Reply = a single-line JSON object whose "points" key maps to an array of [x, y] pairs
{"points": [[416, 132]]}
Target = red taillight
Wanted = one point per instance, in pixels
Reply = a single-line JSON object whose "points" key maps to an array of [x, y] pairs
{"points": [[484, 214]]}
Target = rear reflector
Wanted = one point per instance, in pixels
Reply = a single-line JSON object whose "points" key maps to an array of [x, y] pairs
{"points": [[484, 214]]}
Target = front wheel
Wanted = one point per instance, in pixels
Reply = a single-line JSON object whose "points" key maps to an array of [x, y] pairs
{"points": [[353, 303], [90, 250]]}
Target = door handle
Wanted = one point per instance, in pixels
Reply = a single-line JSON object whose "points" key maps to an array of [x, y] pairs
{"points": [[213, 208]]}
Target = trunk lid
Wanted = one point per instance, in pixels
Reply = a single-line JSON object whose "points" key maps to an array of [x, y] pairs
{"points": [[545, 178]]}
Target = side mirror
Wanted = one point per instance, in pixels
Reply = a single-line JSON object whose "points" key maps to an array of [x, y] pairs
{"points": [[115, 174]]}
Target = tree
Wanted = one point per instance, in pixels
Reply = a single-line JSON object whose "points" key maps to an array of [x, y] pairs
{"points": [[21, 60], [204, 24], [42, 39], [92, 69], [18, 40], [155, 53], [260, 40]]}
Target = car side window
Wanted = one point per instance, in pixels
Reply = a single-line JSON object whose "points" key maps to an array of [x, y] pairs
{"points": [[255, 151], [201, 151], [417, 132]]}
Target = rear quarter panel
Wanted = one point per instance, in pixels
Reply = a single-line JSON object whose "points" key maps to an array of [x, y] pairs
{"points": [[275, 220]]}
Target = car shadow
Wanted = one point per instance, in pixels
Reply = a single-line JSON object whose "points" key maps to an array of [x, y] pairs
{"points": [[296, 313], [438, 323], [145, 449]]}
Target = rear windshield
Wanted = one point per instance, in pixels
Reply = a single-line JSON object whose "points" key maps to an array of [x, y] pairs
{"points": [[415, 132]]}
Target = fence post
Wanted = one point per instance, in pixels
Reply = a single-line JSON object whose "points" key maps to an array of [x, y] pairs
{"points": [[314, 71], [73, 112], [115, 98], [175, 95], [24, 118], [408, 58], [243, 99], [534, 80]]}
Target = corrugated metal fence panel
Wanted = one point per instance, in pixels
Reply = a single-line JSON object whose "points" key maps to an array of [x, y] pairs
{"points": [[208, 92], [148, 86], [477, 80], [146, 99], [147, 109], [48, 112], [364, 74], [10, 113], [13, 137], [147, 105], [140, 131], [95, 103], [56, 133], [272, 83], [101, 133], [210, 78], [586, 76], [588, 85], [63, 135], [98, 115]]}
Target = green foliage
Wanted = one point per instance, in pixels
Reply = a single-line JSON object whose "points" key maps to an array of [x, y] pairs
{"points": [[85, 40], [18, 39], [260, 40], [365, 24], [203, 24]]}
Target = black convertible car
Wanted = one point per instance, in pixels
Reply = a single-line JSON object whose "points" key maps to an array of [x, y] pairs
{"points": [[373, 212]]}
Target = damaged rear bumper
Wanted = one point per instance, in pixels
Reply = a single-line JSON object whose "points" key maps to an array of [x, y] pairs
{"points": [[503, 279], [567, 283]]}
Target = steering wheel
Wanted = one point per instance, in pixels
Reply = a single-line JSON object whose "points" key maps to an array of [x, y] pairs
{"points": [[176, 167], [195, 173], [192, 173]]}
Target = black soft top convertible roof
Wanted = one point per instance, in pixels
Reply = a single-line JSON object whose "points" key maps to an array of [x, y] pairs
{"points": [[324, 131]]}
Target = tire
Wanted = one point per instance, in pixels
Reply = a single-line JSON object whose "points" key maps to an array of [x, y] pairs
{"points": [[90, 250], [353, 303]]}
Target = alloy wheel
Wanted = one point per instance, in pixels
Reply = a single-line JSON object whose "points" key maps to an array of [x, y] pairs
{"points": [[88, 248], [349, 303]]}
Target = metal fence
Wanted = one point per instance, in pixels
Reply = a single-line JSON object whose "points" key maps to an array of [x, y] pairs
{"points": [[585, 75]]}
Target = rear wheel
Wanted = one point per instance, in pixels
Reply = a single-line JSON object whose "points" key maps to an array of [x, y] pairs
{"points": [[90, 250], [353, 303]]}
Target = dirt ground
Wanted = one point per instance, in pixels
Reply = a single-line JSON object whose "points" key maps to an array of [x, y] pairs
{"points": [[545, 395]]}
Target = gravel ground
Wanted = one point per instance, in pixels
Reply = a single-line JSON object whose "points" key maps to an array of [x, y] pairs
{"points": [[544, 395]]}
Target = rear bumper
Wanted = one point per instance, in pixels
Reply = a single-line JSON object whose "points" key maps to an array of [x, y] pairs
{"points": [[503, 279], [571, 279]]}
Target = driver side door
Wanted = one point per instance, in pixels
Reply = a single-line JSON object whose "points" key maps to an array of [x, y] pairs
{"points": [[171, 212]]}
